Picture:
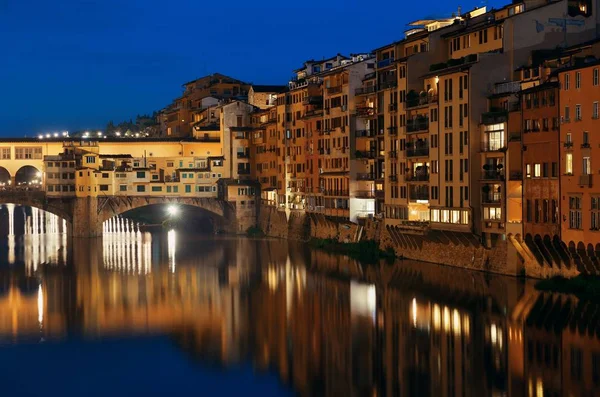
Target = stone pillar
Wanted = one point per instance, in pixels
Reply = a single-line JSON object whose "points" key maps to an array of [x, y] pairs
{"points": [[85, 217]]}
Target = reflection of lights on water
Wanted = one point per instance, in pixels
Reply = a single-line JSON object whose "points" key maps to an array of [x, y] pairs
{"points": [[446, 319], [40, 305], [171, 241], [437, 317], [414, 312], [456, 322]]}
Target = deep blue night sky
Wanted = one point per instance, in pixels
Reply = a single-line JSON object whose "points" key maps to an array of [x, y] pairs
{"points": [[75, 64]]}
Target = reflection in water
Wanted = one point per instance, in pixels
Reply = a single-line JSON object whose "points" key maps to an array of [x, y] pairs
{"points": [[327, 325]]}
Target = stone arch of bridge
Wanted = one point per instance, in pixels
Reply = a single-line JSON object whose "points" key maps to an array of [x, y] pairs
{"points": [[109, 207], [38, 200]]}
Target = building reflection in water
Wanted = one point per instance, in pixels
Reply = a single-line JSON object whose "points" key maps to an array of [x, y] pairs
{"points": [[326, 324]]}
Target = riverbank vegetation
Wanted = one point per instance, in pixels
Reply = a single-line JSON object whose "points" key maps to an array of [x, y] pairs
{"points": [[583, 286], [363, 251]]}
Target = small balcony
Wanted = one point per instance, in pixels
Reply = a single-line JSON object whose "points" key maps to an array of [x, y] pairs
{"points": [[393, 154], [568, 145], [417, 176], [491, 197], [366, 176], [386, 84], [364, 194], [366, 112], [334, 90], [494, 117], [585, 180], [365, 154], [393, 107], [384, 63], [420, 150], [393, 178], [418, 193], [492, 175], [419, 124], [370, 89], [365, 134], [313, 100], [243, 155], [393, 130], [421, 100]]}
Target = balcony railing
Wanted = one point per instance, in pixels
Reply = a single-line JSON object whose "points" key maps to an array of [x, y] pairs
{"points": [[335, 193], [384, 85], [365, 134], [393, 107], [417, 177], [393, 178], [366, 112], [491, 198], [370, 89], [585, 180], [364, 194], [365, 154], [568, 145], [497, 117], [492, 175], [419, 193], [421, 124], [385, 62], [243, 155], [334, 90], [365, 176], [418, 152], [420, 101], [244, 171], [393, 130], [507, 88]]}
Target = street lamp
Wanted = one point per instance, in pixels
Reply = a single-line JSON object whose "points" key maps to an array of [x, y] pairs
{"points": [[173, 210]]}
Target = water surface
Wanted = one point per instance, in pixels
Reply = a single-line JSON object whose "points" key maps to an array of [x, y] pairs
{"points": [[167, 314]]}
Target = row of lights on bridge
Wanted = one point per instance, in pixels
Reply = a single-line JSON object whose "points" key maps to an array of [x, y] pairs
{"points": [[86, 134]]}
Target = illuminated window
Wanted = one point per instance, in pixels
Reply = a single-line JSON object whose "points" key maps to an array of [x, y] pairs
{"points": [[537, 170], [569, 163]]}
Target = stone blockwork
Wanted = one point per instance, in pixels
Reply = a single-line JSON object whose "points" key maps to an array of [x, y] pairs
{"points": [[509, 257]]}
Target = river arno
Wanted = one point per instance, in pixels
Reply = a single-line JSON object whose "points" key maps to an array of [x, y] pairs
{"points": [[164, 314]]}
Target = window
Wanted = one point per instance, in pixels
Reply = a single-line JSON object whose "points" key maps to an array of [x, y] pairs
{"points": [[104, 188], [596, 77], [188, 188], [578, 80], [577, 112], [157, 188], [554, 170], [140, 174], [587, 166], [122, 188], [141, 188], [5, 155], [567, 114], [567, 81], [595, 213], [90, 159], [537, 170], [528, 170], [569, 163], [595, 110], [26, 153], [492, 213], [574, 212]]}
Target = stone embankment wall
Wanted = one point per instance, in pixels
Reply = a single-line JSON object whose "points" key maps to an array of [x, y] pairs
{"points": [[511, 256]]}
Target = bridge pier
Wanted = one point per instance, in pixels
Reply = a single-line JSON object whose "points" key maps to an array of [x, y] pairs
{"points": [[86, 222]]}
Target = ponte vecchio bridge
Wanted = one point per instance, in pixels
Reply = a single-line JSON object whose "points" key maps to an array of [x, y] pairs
{"points": [[86, 182]]}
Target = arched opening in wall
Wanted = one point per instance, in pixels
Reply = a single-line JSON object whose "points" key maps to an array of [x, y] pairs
{"points": [[164, 217], [5, 181], [28, 178]]}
